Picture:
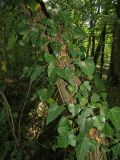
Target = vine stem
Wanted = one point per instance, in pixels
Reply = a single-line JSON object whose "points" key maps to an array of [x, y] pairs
{"points": [[11, 117], [23, 107]]}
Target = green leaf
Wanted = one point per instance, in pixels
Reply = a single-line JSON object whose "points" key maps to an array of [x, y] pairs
{"points": [[98, 82], [87, 67], [33, 36], [84, 89], [25, 34], [83, 101], [67, 74], [37, 70], [62, 141], [78, 33], [64, 122], [64, 126], [48, 22], [103, 95], [114, 116], [66, 136], [72, 89], [82, 148], [64, 130], [74, 109], [43, 94], [50, 58], [87, 85], [53, 112], [72, 140], [27, 71], [108, 131], [55, 47], [82, 118], [95, 98], [51, 69], [116, 151], [65, 17], [74, 51], [11, 40], [41, 42], [52, 31], [99, 122]]}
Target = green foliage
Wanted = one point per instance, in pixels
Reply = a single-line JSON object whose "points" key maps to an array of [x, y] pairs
{"points": [[53, 112], [24, 44]]}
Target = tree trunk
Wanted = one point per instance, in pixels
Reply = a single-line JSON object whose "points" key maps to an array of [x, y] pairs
{"points": [[93, 45], [101, 46], [88, 47], [102, 49], [114, 74]]}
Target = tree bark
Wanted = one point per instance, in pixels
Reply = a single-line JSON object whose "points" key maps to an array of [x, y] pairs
{"points": [[103, 49], [114, 72], [101, 46]]}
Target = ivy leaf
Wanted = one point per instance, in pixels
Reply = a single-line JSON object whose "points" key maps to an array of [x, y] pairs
{"points": [[25, 34], [98, 82], [51, 69], [84, 88], [108, 131], [104, 95], [99, 122], [72, 89], [65, 17], [64, 122], [53, 112], [83, 101], [43, 94], [87, 85], [55, 48], [34, 36], [41, 42], [48, 22], [82, 148], [50, 58], [27, 71], [74, 51], [116, 151], [37, 70], [11, 40], [52, 31], [66, 74], [62, 141], [95, 98], [74, 109], [72, 140], [64, 126], [4, 66], [87, 67], [114, 116], [81, 120], [66, 136]]}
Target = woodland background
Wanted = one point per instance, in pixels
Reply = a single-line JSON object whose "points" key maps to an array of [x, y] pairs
{"points": [[59, 79]]}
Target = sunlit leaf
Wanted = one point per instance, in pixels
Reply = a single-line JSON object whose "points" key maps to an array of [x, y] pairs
{"points": [[53, 112], [87, 67], [74, 109]]}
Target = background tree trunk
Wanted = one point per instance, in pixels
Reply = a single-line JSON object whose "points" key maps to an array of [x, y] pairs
{"points": [[114, 70], [114, 74]]}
